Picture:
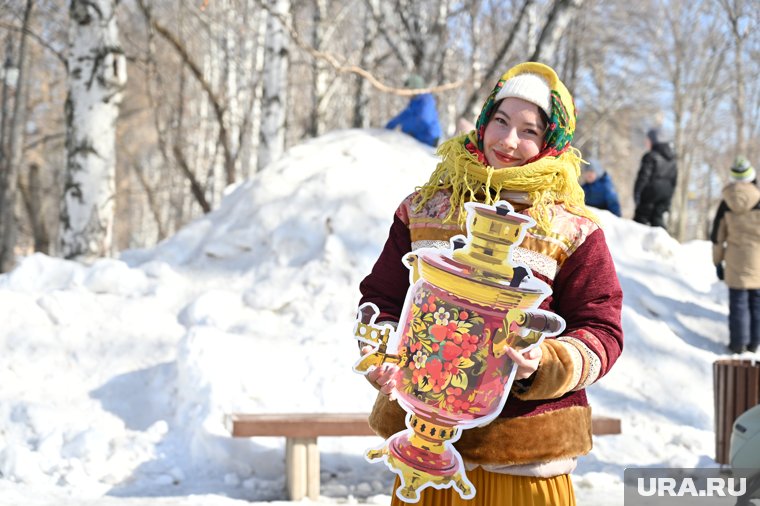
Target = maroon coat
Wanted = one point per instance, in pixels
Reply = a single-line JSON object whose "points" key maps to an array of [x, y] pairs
{"points": [[575, 261]]}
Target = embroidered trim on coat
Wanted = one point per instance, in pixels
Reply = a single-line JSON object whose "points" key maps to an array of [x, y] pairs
{"points": [[430, 244], [592, 361], [538, 263]]}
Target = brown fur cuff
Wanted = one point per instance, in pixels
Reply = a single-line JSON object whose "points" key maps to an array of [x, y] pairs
{"points": [[554, 377], [551, 435]]}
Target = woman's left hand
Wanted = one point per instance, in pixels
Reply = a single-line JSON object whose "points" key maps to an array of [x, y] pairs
{"points": [[527, 363]]}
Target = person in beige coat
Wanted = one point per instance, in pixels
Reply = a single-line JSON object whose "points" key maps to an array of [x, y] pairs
{"points": [[736, 254]]}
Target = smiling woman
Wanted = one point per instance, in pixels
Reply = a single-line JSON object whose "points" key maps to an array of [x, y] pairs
{"points": [[515, 134], [519, 151]]}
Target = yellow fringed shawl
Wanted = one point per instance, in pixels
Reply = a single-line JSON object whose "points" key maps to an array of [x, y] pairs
{"points": [[547, 181]]}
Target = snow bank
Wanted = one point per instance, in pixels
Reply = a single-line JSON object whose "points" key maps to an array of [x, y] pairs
{"points": [[116, 377]]}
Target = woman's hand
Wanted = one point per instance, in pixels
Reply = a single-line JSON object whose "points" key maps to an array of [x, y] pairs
{"points": [[527, 363], [382, 377]]}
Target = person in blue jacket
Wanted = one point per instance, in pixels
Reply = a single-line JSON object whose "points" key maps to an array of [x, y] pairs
{"points": [[598, 187], [420, 117]]}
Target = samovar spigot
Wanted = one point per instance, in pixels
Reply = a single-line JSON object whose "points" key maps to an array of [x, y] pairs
{"points": [[524, 327], [374, 335]]}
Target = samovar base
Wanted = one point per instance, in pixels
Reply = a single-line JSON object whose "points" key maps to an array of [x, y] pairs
{"points": [[435, 462]]}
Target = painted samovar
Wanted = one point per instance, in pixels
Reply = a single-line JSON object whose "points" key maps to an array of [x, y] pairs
{"points": [[465, 307]]}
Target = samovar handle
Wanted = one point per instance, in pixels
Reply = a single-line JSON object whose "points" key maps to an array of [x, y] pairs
{"points": [[530, 326], [376, 336], [411, 261]]}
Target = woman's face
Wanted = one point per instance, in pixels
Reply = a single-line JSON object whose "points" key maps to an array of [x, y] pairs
{"points": [[514, 134]]}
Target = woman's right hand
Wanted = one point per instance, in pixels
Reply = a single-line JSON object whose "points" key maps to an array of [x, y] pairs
{"points": [[381, 376]]}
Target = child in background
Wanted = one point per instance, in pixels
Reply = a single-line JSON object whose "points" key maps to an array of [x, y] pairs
{"points": [[736, 242], [598, 188], [520, 152], [420, 117]]}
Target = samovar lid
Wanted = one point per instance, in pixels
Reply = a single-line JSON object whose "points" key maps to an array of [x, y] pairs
{"points": [[443, 261], [479, 267]]}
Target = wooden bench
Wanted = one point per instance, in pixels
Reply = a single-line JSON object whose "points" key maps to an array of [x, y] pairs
{"points": [[301, 431]]}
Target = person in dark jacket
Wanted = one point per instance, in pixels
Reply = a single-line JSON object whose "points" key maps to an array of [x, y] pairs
{"points": [[655, 182], [736, 242], [420, 117], [598, 188]]}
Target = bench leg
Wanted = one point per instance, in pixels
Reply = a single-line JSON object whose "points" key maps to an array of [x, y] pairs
{"points": [[302, 468], [312, 470]]}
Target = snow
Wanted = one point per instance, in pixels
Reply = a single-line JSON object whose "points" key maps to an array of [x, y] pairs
{"points": [[116, 376]]}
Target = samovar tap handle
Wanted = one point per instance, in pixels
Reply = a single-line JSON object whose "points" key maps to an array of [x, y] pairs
{"points": [[374, 335], [523, 328]]}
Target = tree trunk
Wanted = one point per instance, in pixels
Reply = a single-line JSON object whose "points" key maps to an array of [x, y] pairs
{"points": [[319, 72], [12, 160], [153, 205], [31, 193], [97, 72], [561, 14], [234, 115], [250, 79], [361, 95], [4, 112], [258, 87], [469, 110], [734, 13], [275, 89]]}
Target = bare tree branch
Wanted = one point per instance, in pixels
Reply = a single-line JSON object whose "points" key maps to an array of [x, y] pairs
{"points": [[558, 15], [354, 69], [38, 38], [195, 70], [152, 203], [497, 59]]}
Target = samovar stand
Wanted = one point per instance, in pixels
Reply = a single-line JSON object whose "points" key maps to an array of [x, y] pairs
{"points": [[435, 461]]}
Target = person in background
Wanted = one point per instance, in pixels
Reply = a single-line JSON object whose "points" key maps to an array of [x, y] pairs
{"points": [[519, 151], [598, 188], [736, 254], [420, 117], [655, 182]]}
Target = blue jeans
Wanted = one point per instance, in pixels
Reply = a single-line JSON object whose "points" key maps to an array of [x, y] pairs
{"points": [[743, 317]]}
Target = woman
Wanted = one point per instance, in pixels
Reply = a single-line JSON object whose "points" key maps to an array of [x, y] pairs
{"points": [[519, 151]]}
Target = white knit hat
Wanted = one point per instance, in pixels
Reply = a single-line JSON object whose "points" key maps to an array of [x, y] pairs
{"points": [[529, 87], [742, 170]]}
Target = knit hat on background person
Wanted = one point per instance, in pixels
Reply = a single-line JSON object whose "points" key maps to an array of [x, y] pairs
{"points": [[414, 82], [530, 87], [653, 135], [742, 170], [593, 166]]}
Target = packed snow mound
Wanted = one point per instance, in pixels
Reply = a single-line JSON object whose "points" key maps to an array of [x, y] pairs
{"points": [[117, 376], [324, 197]]}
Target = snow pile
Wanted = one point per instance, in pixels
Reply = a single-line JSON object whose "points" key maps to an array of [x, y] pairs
{"points": [[116, 377]]}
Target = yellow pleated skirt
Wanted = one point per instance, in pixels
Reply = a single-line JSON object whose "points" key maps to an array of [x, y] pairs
{"points": [[502, 490]]}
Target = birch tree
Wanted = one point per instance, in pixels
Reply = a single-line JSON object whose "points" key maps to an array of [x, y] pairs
{"points": [[560, 15], [692, 64], [274, 91], [361, 117], [319, 71], [734, 10], [9, 164], [96, 76]]}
